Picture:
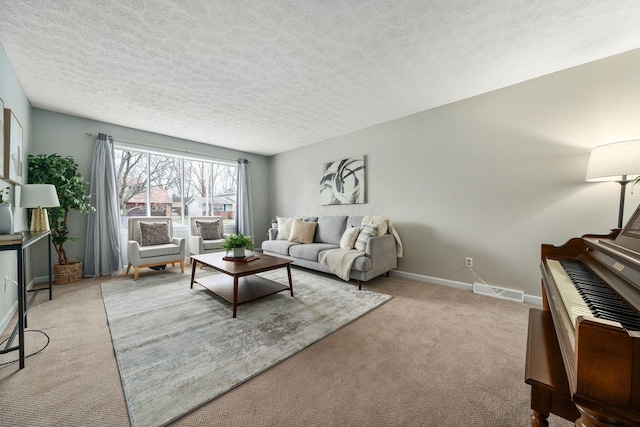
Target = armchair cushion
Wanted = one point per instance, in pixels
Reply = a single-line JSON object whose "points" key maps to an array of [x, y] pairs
{"points": [[154, 233], [209, 230], [211, 245], [159, 250]]}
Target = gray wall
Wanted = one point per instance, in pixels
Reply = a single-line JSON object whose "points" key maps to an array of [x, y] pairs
{"points": [[66, 135], [15, 99], [491, 177]]}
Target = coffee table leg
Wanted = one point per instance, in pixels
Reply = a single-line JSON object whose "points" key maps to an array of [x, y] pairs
{"points": [[235, 295], [193, 273], [290, 282]]}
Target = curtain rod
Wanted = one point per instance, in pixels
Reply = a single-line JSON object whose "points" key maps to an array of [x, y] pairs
{"points": [[148, 144]]}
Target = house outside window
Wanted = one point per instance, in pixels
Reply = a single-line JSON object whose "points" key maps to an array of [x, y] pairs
{"points": [[151, 184]]}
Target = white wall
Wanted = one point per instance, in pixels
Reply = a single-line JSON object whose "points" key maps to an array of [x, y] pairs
{"points": [[491, 177]]}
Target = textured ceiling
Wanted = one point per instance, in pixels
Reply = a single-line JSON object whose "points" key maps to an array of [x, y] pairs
{"points": [[270, 76]]}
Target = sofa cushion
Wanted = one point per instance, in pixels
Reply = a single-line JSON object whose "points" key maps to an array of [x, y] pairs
{"points": [[330, 229], [367, 231], [310, 252], [278, 246], [302, 231], [209, 230], [154, 233], [349, 237]]}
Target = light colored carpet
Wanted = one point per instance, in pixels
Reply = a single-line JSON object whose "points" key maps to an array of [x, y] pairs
{"points": [[178, 348], [432, 356]]}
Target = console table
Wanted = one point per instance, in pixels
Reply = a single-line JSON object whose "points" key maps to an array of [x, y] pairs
{"points": [[28, 239]]}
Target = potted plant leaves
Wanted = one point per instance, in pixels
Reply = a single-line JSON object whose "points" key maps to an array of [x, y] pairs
{"points": [[237, 243], [71, 188]]}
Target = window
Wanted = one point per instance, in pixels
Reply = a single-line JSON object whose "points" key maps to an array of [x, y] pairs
{"points": [[151, 184]]}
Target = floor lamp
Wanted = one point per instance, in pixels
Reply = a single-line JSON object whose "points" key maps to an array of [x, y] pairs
{"points": [[619, 162], [39, 196]]}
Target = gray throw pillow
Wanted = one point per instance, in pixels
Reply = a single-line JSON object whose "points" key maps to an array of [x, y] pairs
{"points": [[209, 230], [154, 233]]}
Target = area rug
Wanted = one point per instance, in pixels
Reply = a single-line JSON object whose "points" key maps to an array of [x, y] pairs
{"points": [[178, 348]]}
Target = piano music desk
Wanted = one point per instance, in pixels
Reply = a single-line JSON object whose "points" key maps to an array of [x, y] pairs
{"points": [[545, 373]]}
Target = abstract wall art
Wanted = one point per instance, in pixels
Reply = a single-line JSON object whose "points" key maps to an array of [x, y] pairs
{"points": [[343, 182], [12, 148]]}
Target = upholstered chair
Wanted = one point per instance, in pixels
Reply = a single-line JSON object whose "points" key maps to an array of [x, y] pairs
{"points": [[206, 235], [151, 243]]}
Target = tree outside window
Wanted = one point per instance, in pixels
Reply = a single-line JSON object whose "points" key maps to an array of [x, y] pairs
{"points": [[161, 185]]}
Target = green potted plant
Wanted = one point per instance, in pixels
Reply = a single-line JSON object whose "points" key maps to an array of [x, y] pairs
{"points": [[71, 188], [237, 243], [274, 222]]}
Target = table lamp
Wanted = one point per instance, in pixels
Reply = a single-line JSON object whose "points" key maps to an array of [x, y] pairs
{"points": [[39, 196], [620, 162]]}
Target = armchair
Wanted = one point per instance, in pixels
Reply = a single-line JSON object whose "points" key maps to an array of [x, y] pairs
{"points": [[151, 243], [199, 244]]}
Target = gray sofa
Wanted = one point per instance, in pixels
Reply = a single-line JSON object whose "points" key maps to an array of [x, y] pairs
{"points": [[379, 256]]}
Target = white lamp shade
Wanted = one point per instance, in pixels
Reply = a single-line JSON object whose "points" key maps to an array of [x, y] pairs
{"points": [[619, 161], [39, 195]]}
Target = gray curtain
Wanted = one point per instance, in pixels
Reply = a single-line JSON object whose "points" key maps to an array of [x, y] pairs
{"points": [[102, 255], [244, 218]]}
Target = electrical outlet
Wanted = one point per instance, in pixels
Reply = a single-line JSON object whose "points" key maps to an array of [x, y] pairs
{"points": [[468, 262], [6, 282]]}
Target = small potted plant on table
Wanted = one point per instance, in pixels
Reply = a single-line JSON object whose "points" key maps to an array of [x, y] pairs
{"points": [[237, 243]]}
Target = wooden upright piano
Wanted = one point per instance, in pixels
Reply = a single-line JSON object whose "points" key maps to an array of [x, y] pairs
{"points": [[583, 354]]}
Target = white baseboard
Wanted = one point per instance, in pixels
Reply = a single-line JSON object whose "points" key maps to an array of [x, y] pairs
{"points": [[4, 322], [528, 299], [498, 292], [435, 280], [39, 279]]}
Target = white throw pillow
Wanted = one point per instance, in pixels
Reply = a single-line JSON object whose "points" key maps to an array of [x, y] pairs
{"points": [[349, 237], [367, 231], [284, 227]]}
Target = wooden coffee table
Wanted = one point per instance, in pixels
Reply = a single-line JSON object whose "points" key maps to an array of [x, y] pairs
{"points": [[239, 283]]}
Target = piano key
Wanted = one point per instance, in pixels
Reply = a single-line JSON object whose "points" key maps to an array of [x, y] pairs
{"points": [[573, 302], [599, 300]]}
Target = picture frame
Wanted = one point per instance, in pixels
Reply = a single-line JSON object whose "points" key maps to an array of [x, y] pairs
{"points": [[13, 148], [343, 182]]}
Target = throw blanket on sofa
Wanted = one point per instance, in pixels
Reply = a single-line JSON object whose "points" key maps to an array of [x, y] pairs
{"points": [[340, 261], [384, 225]]}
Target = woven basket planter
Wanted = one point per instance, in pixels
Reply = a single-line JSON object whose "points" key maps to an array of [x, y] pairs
{"points": [[66, 274]]}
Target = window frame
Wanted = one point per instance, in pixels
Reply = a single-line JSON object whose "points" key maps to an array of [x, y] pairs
{"points": [[181, 221]]}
